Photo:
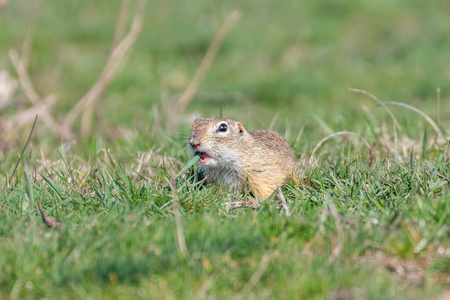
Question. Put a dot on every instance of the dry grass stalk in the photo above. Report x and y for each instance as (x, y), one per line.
(3, 3)
(396, 124)
(324, 140)
(19, 64)
(204, 67)
(257, 274)
(204, 288)
(427, 118)
(307, 247)
(143, 163)
(283, 201)
(200, 182)
(24, 117)
(49, 221)
(180, 231)
(7, 87)
(117, 55)
(23, 150)
(121, 21)
(337, 249)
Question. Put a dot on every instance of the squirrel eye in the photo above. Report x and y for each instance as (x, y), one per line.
(222, 128)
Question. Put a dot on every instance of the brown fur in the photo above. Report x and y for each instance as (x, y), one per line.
(260, 160)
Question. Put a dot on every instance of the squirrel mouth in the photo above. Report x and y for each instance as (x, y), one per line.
(204, 158)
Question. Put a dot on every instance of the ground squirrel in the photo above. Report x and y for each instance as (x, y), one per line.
(260, 160)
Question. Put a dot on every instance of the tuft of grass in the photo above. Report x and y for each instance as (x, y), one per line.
(375, 230)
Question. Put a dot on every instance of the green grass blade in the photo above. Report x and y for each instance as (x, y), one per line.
(28, 199)
(190, 163)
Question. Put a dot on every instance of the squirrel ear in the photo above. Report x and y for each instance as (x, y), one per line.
(241, 128)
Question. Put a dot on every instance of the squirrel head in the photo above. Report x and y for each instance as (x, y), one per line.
(218, 140)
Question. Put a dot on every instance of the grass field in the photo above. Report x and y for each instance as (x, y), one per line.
(367, 219)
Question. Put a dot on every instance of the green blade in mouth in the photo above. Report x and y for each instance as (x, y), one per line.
(190, 163)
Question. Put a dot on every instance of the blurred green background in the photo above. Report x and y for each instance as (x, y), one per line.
(297, 58)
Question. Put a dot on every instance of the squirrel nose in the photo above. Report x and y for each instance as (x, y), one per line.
(195, 142)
